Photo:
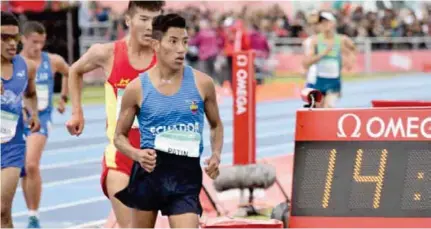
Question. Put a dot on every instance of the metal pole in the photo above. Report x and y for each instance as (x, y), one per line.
(367, 56)
(70, 41)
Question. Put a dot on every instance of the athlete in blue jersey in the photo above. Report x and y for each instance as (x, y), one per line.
(326, 49)
(170, 102)
(47, 65)
(18, 85)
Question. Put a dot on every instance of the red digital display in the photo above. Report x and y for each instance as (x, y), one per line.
(362, 168)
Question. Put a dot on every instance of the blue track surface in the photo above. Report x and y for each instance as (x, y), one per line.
(71, 166)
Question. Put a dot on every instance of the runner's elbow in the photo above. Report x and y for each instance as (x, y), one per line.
(305, 64)
(30, 94)
(117, 140)
(218, 125)
(74, 71)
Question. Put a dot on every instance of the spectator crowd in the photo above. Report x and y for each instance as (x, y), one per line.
(215, 33)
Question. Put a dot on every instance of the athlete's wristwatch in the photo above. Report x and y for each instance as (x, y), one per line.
(65, 98)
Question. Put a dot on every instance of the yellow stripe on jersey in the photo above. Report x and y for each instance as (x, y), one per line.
(111, 115)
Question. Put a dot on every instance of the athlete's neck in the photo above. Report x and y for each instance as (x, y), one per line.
(167, 74)
(329, 35)
(27, 55)
(137, 49)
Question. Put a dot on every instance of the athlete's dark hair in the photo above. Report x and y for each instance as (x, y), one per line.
(8, 18)
(33, 27)
(147, 5)
(162, 23)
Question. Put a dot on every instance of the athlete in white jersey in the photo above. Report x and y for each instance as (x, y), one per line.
(326, 53)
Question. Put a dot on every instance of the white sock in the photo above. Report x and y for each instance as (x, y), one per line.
(33, 213)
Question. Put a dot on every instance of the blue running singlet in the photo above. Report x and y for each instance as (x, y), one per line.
(45, 93)
(172, 124)
(12, 124)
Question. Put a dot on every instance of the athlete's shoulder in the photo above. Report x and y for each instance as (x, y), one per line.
(202, 78)
(344, 37)
(101, 51)
(133, 90)
(31, 66)
(55, 58)
(29, 62)
(204, 83)
(309, 40)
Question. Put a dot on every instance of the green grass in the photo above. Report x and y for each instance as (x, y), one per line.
(90, 95)
(96, 94)
(298, 78)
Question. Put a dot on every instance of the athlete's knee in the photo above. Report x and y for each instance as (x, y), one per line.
(32, 168)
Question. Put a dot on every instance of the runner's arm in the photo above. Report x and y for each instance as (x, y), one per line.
(94, 58)
(129, 109)
(30, 96)
(213, 116)
(349, 44)
(306, 46)
(61, 67)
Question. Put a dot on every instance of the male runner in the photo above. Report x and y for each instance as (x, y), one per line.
(170, 101)
(48, 64)
(326, 53)
(18, 84)
(121, 61)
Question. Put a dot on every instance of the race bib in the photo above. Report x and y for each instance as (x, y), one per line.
(9, 122)
(328, 69)
(182, 143)
(42, 91)
(120, 93)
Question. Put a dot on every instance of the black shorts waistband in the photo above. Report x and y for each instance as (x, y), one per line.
(164, 157)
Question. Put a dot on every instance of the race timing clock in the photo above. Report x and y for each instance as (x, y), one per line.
(362, 168)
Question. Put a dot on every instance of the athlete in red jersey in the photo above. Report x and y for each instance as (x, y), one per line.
(121, 61)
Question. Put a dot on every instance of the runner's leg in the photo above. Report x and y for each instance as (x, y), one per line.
(32, 181)
(186, 220)
(143, 219)
(9, 183)
(115, 182)
(330, 99)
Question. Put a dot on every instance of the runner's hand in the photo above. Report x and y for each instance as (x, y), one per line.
(61, 106)
(75, 125)
(34, 123)
(212, 166)
(329, 47)
(146, 158)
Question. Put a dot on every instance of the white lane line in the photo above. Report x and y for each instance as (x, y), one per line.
(280, 149)
(90, 224)
(224, 157)
(67, 181)
(228, 141)
(65, 205)
(69, 164)
(75, 148)
(267, 125)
